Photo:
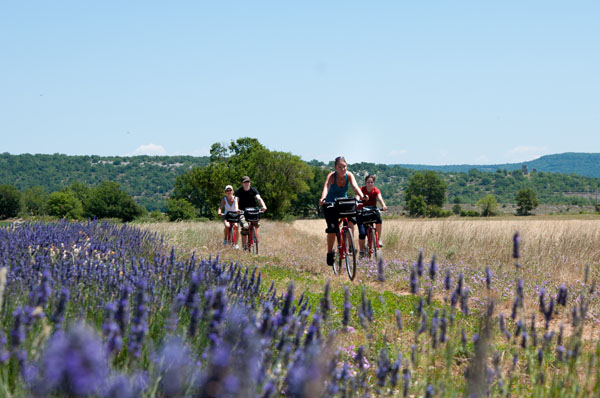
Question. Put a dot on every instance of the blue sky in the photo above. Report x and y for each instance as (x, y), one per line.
(433, 82)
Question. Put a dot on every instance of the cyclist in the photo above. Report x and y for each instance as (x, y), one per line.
(336, 186)
(247, 196)
(374, 195)
(228, 204)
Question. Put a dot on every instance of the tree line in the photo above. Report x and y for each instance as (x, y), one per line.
(193, 187)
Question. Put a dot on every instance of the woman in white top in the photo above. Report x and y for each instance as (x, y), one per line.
(228, 204)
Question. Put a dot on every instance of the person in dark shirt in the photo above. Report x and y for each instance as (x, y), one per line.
(248, 196)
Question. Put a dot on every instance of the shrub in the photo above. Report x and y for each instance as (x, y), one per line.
(417, 206)
(469, 213)
(34, 201)
(10, 201)
(180, 209)
(107, 200)
(526, 201)
(456, 209)
(436, 211)
(64, 204)
(488, 205)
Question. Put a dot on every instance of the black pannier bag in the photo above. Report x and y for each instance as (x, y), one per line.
(252, 214)
(232, 217)
(346, 207)
(368, 215)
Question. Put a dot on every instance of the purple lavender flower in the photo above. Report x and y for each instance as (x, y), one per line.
(561, 298)
(399, 320)
(488, 278)
(414, 282)
(406, 381)
(347, 308)
(4, 354)
(420, 263)
(73, 364)
(383, 367)
(433, 268)
(175, 366)
(325, 301)
(429, 392)
(447, 280)
(58, 316)
(380, 270)
(516, 245)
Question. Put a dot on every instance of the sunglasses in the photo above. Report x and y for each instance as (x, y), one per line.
(228, 190)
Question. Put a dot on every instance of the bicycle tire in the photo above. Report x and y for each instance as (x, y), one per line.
(374, 243)
(350, 254)
(337, 262)
(254, 240)
(231, 238)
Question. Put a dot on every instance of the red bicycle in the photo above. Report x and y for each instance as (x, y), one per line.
(252, 216)
(368, 216)
(346, 253)
(233, 219)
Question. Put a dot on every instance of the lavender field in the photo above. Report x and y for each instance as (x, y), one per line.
(105, 310)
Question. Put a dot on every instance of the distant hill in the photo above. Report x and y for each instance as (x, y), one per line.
(148, 179)
(584, 164)
(559, 179)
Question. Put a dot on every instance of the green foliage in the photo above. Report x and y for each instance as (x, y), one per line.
(180, 209)
(64, 204)
(526, 201)
(469, 213)
(417, 207)
(107, 200)
(436, 211)
(34, 201)
(279, 177)
(10, 201)
(456, 209)
(430, 188)
(488, 205)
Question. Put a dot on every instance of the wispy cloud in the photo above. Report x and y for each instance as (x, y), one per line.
(525, 152)
(397, 152)
(150, 149)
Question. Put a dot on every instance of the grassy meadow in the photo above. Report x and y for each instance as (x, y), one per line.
(554, 250)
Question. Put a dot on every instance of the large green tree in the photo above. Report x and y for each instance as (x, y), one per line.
(278, 176)
(430, 186)
(10, 201)
(488, 205)
(64, 204)
(526, 201)
(34, 200)
(108, 200)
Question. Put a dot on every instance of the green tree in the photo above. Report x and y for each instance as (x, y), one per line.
(64, 204)
(10, 201)
(488, 205)
(417, 207)
(430, 186)
(526, 201)
(180, 209)
(107, 200)
(279, 176)
(34, 201)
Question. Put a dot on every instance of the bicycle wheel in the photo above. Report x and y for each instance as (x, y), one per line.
(373, 243)
(350, 254)
(337, 263)
(231, 238)
(254, 240)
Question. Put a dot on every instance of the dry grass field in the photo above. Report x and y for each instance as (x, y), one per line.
(554, 250)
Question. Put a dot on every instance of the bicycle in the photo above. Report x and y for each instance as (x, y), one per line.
(346, 252)
(233, 219)
(252, 216)
(368, 216)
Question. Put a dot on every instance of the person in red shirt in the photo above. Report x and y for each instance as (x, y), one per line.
(374, 196)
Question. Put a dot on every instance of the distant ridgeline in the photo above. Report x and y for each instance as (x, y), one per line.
(583, 164)
(558, 179)
(148, 179)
